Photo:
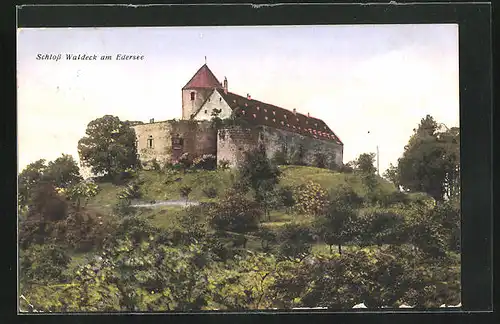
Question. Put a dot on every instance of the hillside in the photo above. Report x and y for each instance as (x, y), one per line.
(158, 186)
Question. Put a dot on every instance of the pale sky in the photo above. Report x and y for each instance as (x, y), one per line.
(358, 78)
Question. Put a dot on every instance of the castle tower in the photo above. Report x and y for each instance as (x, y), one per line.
(197, 90)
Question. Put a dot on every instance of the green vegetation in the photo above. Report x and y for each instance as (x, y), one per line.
(262, 236)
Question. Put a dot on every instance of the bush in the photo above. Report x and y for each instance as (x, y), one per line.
(205, 162)
(311, 199)
(235, 213)
(280, 158)
(295, 241)
(210, 192)
(43, 263)
(223, 164)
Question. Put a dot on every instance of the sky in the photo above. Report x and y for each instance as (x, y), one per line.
(372, 84)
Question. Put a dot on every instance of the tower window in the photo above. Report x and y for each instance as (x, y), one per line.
(192, 96)
(150, 141)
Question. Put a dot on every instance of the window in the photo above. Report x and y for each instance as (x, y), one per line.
(265, 117)
(192, 96)
(265, 110)
(206, 111)
(150, 141)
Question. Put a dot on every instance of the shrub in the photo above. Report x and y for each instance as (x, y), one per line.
(235, 213)
(311, 198)
(43, 263)
(210, 192)
(185, 191)
(205, 162)
(295, 241)
(223, 164)
(280, 158)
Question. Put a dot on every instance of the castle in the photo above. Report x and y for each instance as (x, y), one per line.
(276, 129)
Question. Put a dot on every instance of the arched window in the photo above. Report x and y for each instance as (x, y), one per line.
(150, 141)
(192, 95)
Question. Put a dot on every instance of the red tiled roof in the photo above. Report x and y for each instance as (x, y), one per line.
(256, 112)
(204, 78)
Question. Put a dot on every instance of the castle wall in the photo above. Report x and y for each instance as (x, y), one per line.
(233, 142)
(215, 101)
(162, 141)
(198, 138)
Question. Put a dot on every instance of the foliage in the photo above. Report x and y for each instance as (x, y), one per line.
(320, 160)
(86, 189)
(295, 241)
(280, 157)
(109, 146)
(235, 213)
(210, 192)
(338, 225)
(185, 191)
(223, 164)
(298, 155)
(310, 198)
(43, 263)
(260, 174)
(131, 191)
(431, 161)
(205, 162)
(63, 171)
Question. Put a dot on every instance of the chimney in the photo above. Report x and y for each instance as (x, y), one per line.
(294, 111)
(249, 97)
(152, 120)
(225, 85)
(308, 115)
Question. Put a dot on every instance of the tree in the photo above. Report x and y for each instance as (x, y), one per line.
(109, 146)
(337, 226)
(63, 171)
(29, 178)
(235, 213)
(295, 241)
(392, 175)
(185, 191)
(430, 162)
(364, 163)
(83, 190)
(260, 174)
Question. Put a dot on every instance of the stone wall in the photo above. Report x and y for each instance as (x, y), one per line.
(198, 138)
(281, 140)
(233, 142)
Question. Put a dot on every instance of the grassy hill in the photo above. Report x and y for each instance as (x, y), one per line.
(165, 186)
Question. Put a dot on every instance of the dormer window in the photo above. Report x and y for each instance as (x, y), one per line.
(274, 113)
(274, 119)
(243, 112)
(258, 108)
(254, 116)
(316, 124)
(286, 117)
(246, 105)
(265, 117)
(307, 122)
(282, 123)
(192, 95)
(265, 110)
(297, 119)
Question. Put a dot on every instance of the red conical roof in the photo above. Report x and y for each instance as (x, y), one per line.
(204, 78)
